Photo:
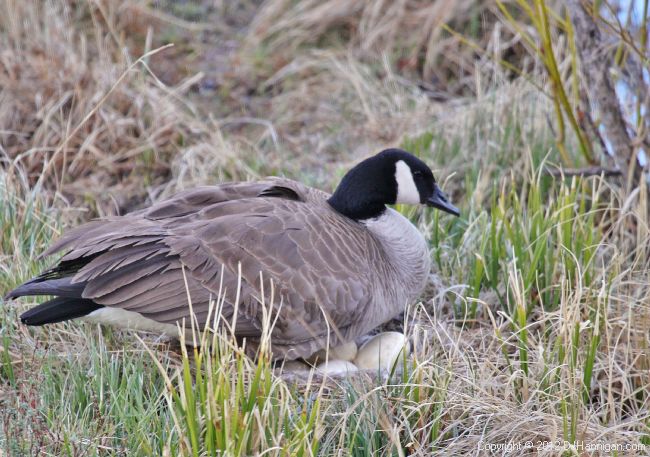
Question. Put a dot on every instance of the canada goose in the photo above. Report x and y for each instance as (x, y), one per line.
(340, 264)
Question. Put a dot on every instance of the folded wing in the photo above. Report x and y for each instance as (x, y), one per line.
(271, 242)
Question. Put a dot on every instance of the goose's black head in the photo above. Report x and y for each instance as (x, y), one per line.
(392, 176)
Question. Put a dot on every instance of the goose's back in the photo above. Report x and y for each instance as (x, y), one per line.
(275, 241)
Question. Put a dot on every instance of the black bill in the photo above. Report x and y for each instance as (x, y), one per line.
(440, 200)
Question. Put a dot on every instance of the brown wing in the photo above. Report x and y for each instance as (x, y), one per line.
(316, 260)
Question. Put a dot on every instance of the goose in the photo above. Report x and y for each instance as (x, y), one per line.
(337, 266)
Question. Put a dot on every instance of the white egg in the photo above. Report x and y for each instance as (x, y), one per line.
(382, 351)
(346, 351)
(337, 367)
(295, 366)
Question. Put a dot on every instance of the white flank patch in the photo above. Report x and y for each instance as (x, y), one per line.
(131, 320)
(407, 191)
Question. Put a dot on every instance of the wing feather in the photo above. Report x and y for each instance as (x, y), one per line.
(315, 259)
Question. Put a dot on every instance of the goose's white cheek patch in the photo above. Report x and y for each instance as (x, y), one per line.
(407, 191)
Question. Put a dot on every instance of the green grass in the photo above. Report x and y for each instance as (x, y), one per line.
(532, 310)
(535, 325)
(79, 391)
(225, 404)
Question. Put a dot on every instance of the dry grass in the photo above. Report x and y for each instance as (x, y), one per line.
(411, 32)
(79, 116)
(305, 89)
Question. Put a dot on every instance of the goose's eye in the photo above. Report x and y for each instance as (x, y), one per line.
(417, 174)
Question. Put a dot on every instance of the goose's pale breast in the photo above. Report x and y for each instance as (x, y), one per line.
(406, 264)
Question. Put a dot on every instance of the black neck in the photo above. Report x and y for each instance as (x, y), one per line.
(369, 210)
(365, 190)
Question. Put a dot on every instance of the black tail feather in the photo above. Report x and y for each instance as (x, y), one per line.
(58, 310)
(57, 281)
(61, 287)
